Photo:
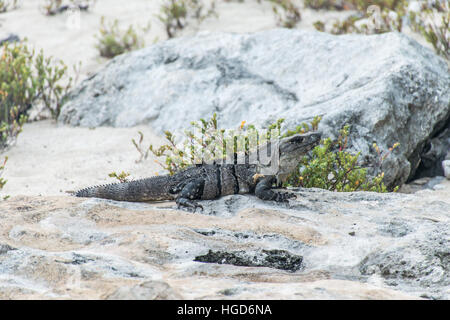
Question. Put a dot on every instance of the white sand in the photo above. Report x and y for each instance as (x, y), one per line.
(49, 159)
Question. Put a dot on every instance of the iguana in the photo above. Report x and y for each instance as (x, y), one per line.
(210, 181)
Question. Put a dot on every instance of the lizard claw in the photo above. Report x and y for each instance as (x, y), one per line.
(194, 205)
(284, 197)
(188, 204)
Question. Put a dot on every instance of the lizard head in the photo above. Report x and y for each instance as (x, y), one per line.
(285, 154)
(292, 149)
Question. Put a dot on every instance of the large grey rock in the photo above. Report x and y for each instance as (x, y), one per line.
(324, 245)
(433, 154)
(388, 87)
(446, 168)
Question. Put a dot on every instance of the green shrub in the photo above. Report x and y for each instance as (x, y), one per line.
(6, 5)
(16, 90)
(359, 5)
(52, 7)
(382, 15)
(174, 14)
(324, 4)
(432, 21)
(10, 128)
(48, 83)
(319, 26)
(138, 146)
(16, 73)
(288, 16)
(112, 41)
(122, 177)
(388, 21)
(332, 168)
(340, 27)
(362, 5)
(438, 34)
(27, 78)
(2, 180)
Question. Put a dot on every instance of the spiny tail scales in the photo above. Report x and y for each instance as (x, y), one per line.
(136, 190)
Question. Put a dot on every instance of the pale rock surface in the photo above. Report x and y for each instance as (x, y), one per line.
(446, 167)
(352, 246)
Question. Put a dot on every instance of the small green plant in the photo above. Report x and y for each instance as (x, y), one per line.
(332, 168)
(436, 32)
(319, 26)
(174, 14)
(340, 27)
(112, 41)
(6, 5)
(383, 155)
(10, 129)
(387, 21)
(325, 4)
(303, 127)
(138, 145)
(16, 73)
(2, 168)
(48, 82)
(27, 78)
(52, 7)
(289, 16)
(363, 5)
(432, 20)
(16, 90)
(122, 177)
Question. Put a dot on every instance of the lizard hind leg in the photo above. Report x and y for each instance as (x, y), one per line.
(190, 192)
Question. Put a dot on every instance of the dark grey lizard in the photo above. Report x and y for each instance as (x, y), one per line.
(210, 181)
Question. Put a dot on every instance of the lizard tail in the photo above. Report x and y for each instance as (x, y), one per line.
(150, 189)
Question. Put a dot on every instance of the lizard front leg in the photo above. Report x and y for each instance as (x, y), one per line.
(263, 190)
(191, 191)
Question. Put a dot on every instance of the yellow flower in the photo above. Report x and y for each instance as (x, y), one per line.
(242, 124)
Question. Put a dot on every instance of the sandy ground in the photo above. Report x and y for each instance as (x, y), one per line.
(49, 159)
